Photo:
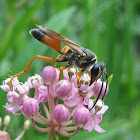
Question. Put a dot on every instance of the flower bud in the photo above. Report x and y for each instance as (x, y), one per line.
(49, 75)
(97, 88)
(63, 88)
(61, 113)
(6, 120)
(81, 116)
(4, 135)
(30, 107)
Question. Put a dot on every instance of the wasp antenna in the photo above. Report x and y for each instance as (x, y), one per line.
(106, 87)
(97, 97)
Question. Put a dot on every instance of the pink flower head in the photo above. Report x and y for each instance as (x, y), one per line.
(96, 116)
(61, 113)
(73, 95)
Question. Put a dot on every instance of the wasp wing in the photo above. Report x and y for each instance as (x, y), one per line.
(63, 39)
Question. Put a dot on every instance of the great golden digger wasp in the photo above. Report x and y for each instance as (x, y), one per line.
(72, 53)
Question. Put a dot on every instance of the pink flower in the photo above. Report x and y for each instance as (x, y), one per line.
(9, 84)
(34, 81)
(80, 96)
(15, 100)
(96, 116)
(41, 93)
(64, 101)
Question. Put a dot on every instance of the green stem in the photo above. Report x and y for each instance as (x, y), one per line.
(50, 135)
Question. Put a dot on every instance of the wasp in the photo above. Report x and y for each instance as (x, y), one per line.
(72, 53)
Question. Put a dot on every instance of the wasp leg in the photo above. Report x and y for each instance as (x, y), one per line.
(61, 69)
(44, 58)
(79, 74)
(63, 52)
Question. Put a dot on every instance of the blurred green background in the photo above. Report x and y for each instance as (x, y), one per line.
(110, 28)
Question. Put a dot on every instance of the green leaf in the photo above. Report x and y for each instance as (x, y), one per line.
(110, 79)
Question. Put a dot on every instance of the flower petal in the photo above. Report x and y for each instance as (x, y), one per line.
(89, 126)
(102, 111)
(98, 128)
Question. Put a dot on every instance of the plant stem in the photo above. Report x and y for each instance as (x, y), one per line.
(50, 135)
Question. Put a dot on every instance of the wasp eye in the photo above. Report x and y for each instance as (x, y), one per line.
(96, 71)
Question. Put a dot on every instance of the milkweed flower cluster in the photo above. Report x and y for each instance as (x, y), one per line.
(66, 104)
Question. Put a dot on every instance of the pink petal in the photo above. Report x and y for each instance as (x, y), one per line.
(89, 125)
(80, 102)
(5, 88)
(74, 89)
(98, 128)
(73, 78)
(83, 88)
(90, 104)
(15, 82)
(73, 101)
(102, 111)
(65, 74)
(35, 83)
(99, 119)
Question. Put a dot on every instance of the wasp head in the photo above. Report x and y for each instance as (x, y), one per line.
(97, 71)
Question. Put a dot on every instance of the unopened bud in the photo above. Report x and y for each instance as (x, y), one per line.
(49, 75)
(97, 87)
(30, 107)
(6, 120)
(63, 88)
(61, 113)
(81, 116)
